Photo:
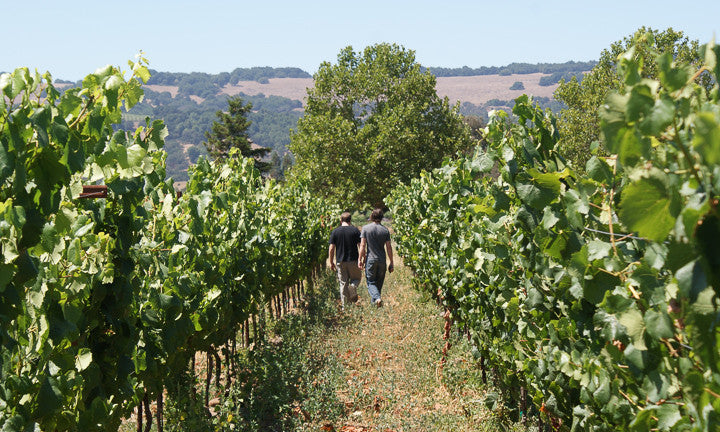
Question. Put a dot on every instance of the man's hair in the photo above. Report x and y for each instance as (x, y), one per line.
(377, 215)
(346, 217)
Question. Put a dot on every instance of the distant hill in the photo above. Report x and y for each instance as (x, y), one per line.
(188, 101)
(570, 67)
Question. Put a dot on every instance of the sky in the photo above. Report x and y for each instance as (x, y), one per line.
(73, 38)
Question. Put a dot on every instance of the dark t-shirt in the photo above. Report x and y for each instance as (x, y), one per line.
(346, 240)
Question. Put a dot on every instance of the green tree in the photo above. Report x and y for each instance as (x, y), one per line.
(373, 120)
(286, 164)
(231, 131)
(579, 122)
(275, 165)
(476, 125)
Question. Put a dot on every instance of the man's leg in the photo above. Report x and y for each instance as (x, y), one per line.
(354, 275)
(380, 276)
(344, 279)
(371, 277)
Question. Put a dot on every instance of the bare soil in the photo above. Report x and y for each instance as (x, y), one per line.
(173, 90)
(474, 89)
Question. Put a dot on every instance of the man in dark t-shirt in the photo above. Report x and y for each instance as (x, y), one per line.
(343, 257)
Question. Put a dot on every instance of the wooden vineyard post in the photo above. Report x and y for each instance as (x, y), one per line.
(159, 413)
(208, 378)
(148, 414)
(218, 367)
(140, 417)
(192, 372)
(255, 328)
(483, 369)
(523, 406)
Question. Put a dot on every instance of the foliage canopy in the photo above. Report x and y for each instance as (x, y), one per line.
(579, 123)
(373, 120)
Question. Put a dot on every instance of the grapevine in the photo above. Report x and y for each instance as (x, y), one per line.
(104, 299)
(597, 294)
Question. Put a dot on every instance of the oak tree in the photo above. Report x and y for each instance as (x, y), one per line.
(373, 120)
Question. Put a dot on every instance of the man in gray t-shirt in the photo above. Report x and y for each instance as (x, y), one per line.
(374, 243)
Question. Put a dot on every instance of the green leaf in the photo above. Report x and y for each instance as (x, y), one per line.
(656, 386)
(535, 196)
(4, 84)
(647, 208)
(18, 83)
(691, 280)
(142, 72)
(599, 170)
(483, 163)
(639, 102)
(707, 137)
(633, 322)
(113, 83)
(7, 271)
(598, 249)
(672, 78)
(49, 398)
(668, 415)
(550, 218)
(555, 244)
(594, 289)
(602, 394)
(135, 155)
(658, 324)
(706, 235)
(607, 323)
(659, 118)
(83, 359)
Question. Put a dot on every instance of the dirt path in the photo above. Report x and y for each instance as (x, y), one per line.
(390, 359)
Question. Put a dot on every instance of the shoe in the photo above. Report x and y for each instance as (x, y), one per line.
(378, 303)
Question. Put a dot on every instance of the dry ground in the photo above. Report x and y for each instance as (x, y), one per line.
(390, 359)
(474, 89)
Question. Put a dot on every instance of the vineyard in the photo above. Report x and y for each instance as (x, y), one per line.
(591, 299)
(104, 299)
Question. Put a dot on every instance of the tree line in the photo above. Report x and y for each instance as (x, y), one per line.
(515, 68)
(272, 117)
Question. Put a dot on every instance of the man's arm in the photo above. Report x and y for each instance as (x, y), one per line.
(388, 248)
(361, 260)
(331, 256)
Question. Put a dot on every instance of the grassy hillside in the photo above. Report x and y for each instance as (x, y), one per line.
(188, 102)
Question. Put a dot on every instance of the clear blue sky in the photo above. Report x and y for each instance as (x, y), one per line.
(73, 38)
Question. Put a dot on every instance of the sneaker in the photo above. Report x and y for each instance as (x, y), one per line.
(378, 303)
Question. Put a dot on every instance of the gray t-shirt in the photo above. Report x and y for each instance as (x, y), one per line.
(375, 236)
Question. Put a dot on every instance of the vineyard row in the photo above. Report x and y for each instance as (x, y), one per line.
(103, 300)
(593, 297)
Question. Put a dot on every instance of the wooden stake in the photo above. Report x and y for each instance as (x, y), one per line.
(159, 413)
(148, 414)
(208, 379)
(140, 417)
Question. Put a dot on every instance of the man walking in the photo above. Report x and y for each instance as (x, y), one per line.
(343, 257)
(375, 241)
